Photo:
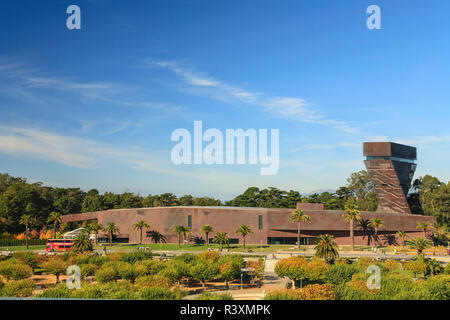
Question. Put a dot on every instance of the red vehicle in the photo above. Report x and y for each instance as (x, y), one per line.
(59, 245)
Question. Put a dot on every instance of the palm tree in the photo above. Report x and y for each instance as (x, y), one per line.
(55, 218)
(402, 235)
(327, 248)
(139, 225)
(366, 229)
(440, 236)
(207, 229)
(244, 230)
(111, 229)
(221, 238)
(187, 231)
(299, 216)
(94, 227)
(376, 224)
(82, 243)
(351, 213)
(419, 244)
(26, 220)
(179, 230)
(424, 226)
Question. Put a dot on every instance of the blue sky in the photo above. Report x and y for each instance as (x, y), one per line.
(95, 108)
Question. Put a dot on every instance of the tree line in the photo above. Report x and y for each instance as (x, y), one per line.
(359, 190)
(428, 196)
(431, 197)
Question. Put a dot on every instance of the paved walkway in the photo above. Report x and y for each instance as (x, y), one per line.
(270, 282)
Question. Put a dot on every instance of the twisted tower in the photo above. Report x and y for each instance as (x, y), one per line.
(391, 169)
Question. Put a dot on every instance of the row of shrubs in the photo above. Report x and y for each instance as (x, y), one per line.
(422, 278)
(393, 287)
(202, 267)
(136, 275)
(114, 290)
(125, 290)
(121, 275)
(19, 288)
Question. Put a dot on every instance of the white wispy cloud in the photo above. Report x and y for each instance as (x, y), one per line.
(27, 142)
(31, 78)
(38, 144)
(23, 82)
(68, 150)
(37, 88)
(289, 107)
(426, 140)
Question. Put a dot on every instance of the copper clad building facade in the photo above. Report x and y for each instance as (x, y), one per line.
(391, 167)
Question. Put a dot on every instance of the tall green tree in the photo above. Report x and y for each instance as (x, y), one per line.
(244, 230)
(187, 200)
(298, 216)
(165, 200)
(424, 226)
(111, 201)
(377, 224)
(94, 227)
(206, 201)
(431, 197)
(360, 185)
(402, 235)
(54, 218)
(207, 229)
(344, 195)
(250, 198)
(292, 198)
(20, 199)
(92, 202)
(111, 229)
(186, 232)
(179, 230)
(351, 214)
(66, 200)
(27, 220)
(130, 200)
(139, 225)
(221, 238)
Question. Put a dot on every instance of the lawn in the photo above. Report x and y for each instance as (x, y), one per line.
(357, 248)
(195, 247)
(22, 248)
(123, 247)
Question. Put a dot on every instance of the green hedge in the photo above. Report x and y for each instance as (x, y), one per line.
(16, 242)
